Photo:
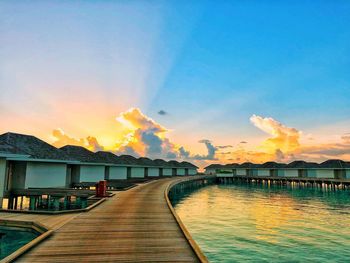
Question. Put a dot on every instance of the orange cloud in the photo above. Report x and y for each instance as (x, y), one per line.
(143, 136)
(283, 138)
(135, 119)
(62, 139)
(140, 135)
(146, 137)
(284, 146)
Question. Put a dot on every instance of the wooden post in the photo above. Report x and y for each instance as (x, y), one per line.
(32, 203)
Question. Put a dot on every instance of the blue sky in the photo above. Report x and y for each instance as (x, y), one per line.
(210, 65)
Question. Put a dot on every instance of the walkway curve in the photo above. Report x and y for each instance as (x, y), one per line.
(133, 226)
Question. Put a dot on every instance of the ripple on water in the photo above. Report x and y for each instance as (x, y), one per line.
(272, 224)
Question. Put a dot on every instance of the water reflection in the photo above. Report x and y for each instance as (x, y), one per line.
(272, 224)
(12, 238)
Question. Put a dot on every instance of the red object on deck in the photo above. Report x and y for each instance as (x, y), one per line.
(101, 189)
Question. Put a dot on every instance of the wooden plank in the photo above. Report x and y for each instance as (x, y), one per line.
(133, 226)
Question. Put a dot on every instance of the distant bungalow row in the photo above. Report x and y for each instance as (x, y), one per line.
(28, 162)
(332, 169)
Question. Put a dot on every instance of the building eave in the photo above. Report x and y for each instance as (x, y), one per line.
(13, 155)
(28, 159)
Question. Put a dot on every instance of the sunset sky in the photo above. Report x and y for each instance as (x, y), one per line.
(203, 81)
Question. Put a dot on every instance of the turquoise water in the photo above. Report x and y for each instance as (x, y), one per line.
(240, 223)
(12, 238)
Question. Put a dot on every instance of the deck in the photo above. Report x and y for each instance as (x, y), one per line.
(334, 184)
(133, 226)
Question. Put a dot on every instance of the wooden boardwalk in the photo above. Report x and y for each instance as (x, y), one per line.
(133, 226)
(49, 221)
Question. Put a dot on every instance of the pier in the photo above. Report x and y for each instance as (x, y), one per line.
(331, 184)
(136, 225)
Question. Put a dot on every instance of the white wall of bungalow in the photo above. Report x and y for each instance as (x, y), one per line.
(180, 171)
(153, 172)
(326, 173)
(347, 173)
(35, 173)
(21, 166)
(118, 172)
(91, 172)
(193, 171)
(210, 171)
(167, 171)
(24, 173)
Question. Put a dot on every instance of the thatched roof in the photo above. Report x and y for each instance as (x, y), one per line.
(302, 165)
(81, 154)
(214, 166)
(29, 145)
(188, 165)
(231, 165)
(273, 165)
(249, 165)
(334, 164)
(145, 161)
(161, 163)
(174, 164)
(127, 159)
(9, 149)
(107, 157)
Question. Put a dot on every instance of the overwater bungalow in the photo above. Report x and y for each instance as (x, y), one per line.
(134, 168)
(271, 169)
(177, 170)
(337, 169)
(34, 164)
(165, 169)
(299, 168)
(212, 169)
(190, 169)
(331, 169)
(227, 169)
(248, 168)
(28, 162)
(90, 168)
(114, 167)
(149, 167)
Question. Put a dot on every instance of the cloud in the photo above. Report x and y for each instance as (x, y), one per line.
(283, 138)
(135, 119)
(170, 155)
(223, 146)
(223, 153)
(127, 150)
(152, 143)
(346, 138)
(146, 137)
(183, 153)
(93, 144)
(211, 151)
(143, 136)
(62, 139)
(281, 145)
(162, 112)
(279, 155)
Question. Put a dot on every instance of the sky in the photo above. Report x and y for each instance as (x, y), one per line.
(202, 81)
